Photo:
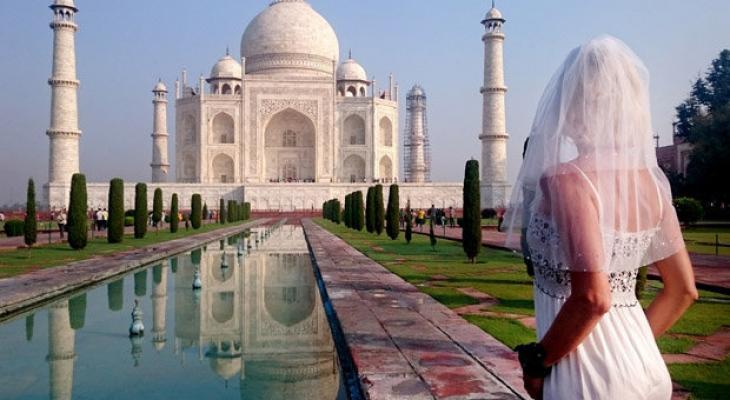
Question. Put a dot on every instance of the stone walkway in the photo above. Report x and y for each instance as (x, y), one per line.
(38, 287)
(404, 344)
(711, 272)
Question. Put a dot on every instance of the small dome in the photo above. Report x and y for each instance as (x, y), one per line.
(160, 87)
(350, 70)
(226, 68)
(493, 14)
(289, 37)
(64, 3)
(226, 367)
(417, 90)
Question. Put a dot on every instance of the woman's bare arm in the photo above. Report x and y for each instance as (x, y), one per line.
(678, 294)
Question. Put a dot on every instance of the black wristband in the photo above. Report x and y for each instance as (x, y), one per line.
(532, 358)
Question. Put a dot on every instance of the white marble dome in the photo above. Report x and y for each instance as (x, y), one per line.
(160, 87)
(290, 37)
(493, 14)
(350, 70)
(64, 3)
(226, 68)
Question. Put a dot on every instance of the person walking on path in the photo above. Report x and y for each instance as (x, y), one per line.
(61, 218)
(602, 208)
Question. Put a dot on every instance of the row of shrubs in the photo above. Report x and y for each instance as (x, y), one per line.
(368, 212)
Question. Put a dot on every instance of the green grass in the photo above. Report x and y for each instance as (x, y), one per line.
(705, 381)
(20, 261)
(502, 275)
(507, 331)
(702, 240)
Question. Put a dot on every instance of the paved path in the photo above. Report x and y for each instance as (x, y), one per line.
(711, 272)
(38, 287)
(405, 344)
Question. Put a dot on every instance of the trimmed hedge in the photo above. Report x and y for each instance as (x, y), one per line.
(197, 211)
(157, 207)
(140, 211)
(30, 231)
(370, 210)
(222, 212)
(689, 210)
(471, 229)
(392, 218)
(14, 228)
(379, 210)
(174, 217)
(359, 209)
(115, 229)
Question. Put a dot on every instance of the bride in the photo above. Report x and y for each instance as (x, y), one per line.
(595, 207)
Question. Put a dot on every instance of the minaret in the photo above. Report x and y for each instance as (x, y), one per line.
(64, 131)
(159, 305)
(416, 144)
(61, 353)
(494, 136)
(160, 165)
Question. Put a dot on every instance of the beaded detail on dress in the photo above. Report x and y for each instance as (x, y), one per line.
(552, 274)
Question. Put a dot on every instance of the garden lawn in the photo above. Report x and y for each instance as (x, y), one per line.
(20, 261)
(501, 274)
(702, 240)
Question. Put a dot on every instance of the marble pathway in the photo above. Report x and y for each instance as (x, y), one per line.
(404, 344)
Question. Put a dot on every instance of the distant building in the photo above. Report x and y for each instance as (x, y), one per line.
(416, 145)
(675, 157)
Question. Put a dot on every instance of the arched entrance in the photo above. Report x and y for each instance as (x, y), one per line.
(353, 169)
(290, 153)
(223, 170)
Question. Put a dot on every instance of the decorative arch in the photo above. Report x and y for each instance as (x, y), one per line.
(354, 130)
(223, 169)
(353, 169)
(237, 91)
(386, 132)
(290, 153)
(189, 167)
(226, 89)
(386, 168)
(351, 91)
(223, 306)
(362, 91)
(223, 129)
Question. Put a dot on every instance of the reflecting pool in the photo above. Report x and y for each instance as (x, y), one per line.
(256, 329)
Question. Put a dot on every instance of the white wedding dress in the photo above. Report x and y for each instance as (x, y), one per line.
(620, 359)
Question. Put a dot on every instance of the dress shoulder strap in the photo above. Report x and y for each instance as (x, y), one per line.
(592, 186)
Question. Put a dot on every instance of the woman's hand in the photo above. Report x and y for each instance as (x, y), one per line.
(533, 386)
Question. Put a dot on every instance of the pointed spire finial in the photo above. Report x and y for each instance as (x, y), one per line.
(493, 6)
(350, 54)
(228, 51)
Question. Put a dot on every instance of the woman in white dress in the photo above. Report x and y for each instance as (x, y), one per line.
(596, 207)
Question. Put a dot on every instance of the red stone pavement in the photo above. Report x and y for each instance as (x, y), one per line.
(405, 344)
(711, 272)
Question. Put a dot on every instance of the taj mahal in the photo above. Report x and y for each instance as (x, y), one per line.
(286, 126)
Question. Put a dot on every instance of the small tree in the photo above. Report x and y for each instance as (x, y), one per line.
(140, 210)
(431, 234)
(359, 211)
(196, 215)
(379, 210)
(222, 212)
(370, 210)
(247, 211)
(409, 223)
(115, 231)
(393, 225)
(471, 230)
(688, 209)
(31, 224)
(205, 211)
(174, 214)
(231, 211)
(336, 211)
(157, 207)
(77, 219)
(346, 213)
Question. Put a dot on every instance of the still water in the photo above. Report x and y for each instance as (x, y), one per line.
(255, 330)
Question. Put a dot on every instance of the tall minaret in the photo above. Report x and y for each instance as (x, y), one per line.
(160, 165)
(61, 353)
(494, 136)
(64, 131)
(416, 144)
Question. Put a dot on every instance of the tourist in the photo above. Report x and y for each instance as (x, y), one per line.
(98, 216)
(451, 217)
(104, 219)
(61, 219)
(420, 219)
(595, 220)
(2, 217)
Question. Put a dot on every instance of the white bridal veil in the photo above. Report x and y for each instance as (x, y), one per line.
(590, 165)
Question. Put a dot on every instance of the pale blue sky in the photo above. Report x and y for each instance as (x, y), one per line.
(123, 46)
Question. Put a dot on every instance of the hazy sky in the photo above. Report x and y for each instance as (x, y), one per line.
(124, 46)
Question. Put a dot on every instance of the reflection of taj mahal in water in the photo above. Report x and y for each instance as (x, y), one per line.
(259, 320)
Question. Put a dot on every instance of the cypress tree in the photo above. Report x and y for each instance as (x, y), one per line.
(115, 295)
(197, 211)
(205, 211)
(157, 207)
(140, 211)
(29, 322)
(409, 222)
(77, 311)
(174, 214)
(115, 230)
(379, 210)
(471, 230)
(77, 219)
(359, 211)
(222, 212)
(248, 210)
(370, 210)
(231, 211)
(393, 225)
(348, 210)
(336, 216)
(31, 225)
(140, 283)
(344, 211)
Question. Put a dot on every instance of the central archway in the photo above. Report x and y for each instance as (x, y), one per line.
(290, 153)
